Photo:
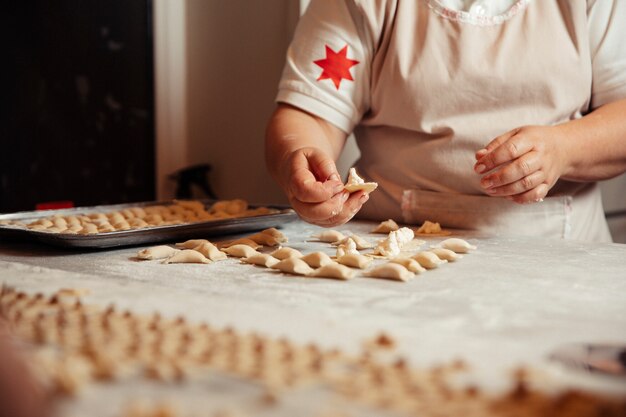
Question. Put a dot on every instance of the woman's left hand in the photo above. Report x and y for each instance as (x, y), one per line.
(523, 164)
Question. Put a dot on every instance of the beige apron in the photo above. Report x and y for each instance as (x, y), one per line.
(442, 89)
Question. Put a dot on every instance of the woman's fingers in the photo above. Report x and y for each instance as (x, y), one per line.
(523, 185)
(516, 171)
(339, 212)
(535, 195)
(305, 186)
(502, 150)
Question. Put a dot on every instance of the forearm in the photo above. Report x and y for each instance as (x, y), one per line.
(291, 129)
(596, 144)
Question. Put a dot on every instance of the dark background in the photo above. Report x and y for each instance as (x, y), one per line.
(77, 106)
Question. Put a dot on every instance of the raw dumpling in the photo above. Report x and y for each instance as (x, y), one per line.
(190, 244)
(354, 260)
(348, 247)
(240, 251)
(157, 252)
(356, 183)
(293, 266)
(190, 205)
(409, 263)
(317, 259)
(360, 242)
(428, 260)
(241, 241)
(236, 206)
(261, 259)
(386, 227)
(330, 236)
(269, 237)
(187, 256)
(457, 245)
(285, 252)
(210, 251)
(446, 254)
(391, 271)
(333, 270)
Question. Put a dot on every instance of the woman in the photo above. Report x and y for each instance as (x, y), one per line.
(491, 115)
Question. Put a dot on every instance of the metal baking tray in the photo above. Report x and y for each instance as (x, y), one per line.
(151, 234)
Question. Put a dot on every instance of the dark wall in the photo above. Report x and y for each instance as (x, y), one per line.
(77, 116)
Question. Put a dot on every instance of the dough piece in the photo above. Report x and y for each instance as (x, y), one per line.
(293, 266)
(269, 237)
(210, 251)
(429, 227)
(187, 256)
(386, 227)
(261, 259)
(446, 254)
(428, 259)
(409, 263)
(334, 270)
(317, 259)
(391, 271)
(346, 248)
(240, 251)
(457, 245)
(356, 183)
(404, 235)
(190, 244)
(157, 252)
(60, 223)
(240, 241)
(360, 242)
(286, 252)
(354, 260)
(330, 236)
(388, 247)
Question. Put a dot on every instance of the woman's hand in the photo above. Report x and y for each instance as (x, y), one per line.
(309, 178)
(523, 164)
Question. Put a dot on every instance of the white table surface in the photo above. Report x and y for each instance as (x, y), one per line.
(511, 302)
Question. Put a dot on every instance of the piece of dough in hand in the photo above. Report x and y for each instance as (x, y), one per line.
(457, 245)
(294, 266)
(356, 183)
(391, 271)
(187, 256)
(333, 270)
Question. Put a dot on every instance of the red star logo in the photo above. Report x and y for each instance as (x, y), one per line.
(336, 66)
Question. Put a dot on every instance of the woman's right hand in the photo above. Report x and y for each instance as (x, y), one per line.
(310, 179)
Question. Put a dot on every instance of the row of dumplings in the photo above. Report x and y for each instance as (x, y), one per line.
(181, 212)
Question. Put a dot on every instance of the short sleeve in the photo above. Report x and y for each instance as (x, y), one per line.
(607, 35)
(327, 71)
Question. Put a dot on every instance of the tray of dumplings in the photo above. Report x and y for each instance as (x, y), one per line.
(108, 226)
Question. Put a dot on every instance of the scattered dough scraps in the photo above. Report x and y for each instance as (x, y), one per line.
(457, 245)
(360, 242)
(392, 271)
(286, 252)
(428, 259)
(261, 259)
(187, 256)
(294, 266)
(317, 259)
(356, 183)
(386, 227)
(329, 236)
(354, 260)
(348, 247)
(409, 263)
(446, 254)
(333, 270)
(388, 247)
(240, 251)
(157, 252)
